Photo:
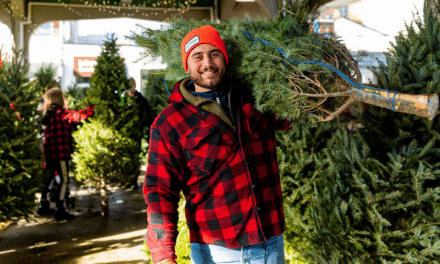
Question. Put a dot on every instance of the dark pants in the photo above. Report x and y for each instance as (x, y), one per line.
(54, 168)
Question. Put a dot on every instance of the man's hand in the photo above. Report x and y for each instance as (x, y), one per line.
(167, 261)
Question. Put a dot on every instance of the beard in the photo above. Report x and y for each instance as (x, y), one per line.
(211, 82)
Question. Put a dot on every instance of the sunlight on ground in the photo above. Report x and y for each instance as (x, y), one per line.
(7, 251)
(122, 236)
(117, 250)
(43, 244)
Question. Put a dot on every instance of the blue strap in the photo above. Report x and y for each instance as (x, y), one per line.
(394, 109)
(359, 94)
(165, 81)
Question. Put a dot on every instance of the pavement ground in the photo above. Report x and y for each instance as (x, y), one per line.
(87, 239)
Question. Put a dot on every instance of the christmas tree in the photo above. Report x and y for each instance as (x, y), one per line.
(377, 199)
(291, 71)
(112, 106)
(115, 111)
(101, 157)
(46, 77)
(20, 149)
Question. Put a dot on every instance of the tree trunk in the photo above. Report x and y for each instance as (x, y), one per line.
(104, 199)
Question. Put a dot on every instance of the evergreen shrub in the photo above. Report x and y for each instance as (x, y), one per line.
(377, 201)
(45, 77)
(99, 157)
(20, 150)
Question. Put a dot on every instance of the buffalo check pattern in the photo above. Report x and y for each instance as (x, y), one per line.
(230, 180)
(58, 139)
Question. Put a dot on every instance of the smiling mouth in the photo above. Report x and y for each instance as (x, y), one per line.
(209, 74)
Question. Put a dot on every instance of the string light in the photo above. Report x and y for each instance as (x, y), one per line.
(171, 7)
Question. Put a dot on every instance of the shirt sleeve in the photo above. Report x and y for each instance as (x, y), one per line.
(163, 181)
(73, 116)
(281, 124)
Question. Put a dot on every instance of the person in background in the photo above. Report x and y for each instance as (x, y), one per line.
(143, 106)
(212, 144)
(57, 147)
(144, 113)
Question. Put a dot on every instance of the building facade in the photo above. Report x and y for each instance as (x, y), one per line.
(72, 48)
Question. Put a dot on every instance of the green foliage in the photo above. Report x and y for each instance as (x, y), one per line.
(20, 150)
(157, 96)
(156, 92)
(300, 160)
(370, 210)
(183, 246)
(411, 65)
(99, 153)
(114, 109)
(74, 97)
(46, 77)
(377, 199)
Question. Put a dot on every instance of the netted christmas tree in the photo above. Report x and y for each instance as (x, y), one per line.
(20, 149)
(291, 71)
(101, 157)
(113, 110)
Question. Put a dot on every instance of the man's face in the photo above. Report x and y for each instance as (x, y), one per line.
(206, 66)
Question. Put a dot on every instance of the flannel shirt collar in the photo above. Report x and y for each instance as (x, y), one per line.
(181, 94)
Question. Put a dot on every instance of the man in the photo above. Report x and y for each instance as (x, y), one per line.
(216, 147)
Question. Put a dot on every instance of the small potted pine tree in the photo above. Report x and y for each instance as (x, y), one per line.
(100, 159)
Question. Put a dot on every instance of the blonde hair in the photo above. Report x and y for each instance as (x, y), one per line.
(53, 98)
(132, 81)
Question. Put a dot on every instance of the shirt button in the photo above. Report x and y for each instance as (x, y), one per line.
(258, 209)
(253, 186)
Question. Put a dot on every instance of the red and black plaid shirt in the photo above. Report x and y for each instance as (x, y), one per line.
(58, 133)
(232, 186)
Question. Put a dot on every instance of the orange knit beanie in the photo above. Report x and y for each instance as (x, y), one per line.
(202, 35)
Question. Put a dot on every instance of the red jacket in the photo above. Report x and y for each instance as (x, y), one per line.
(58, 139)
(230, 180)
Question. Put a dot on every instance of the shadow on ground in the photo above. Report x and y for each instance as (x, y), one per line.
(86, 239)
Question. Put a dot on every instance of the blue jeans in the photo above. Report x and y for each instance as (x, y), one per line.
(269, 252)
